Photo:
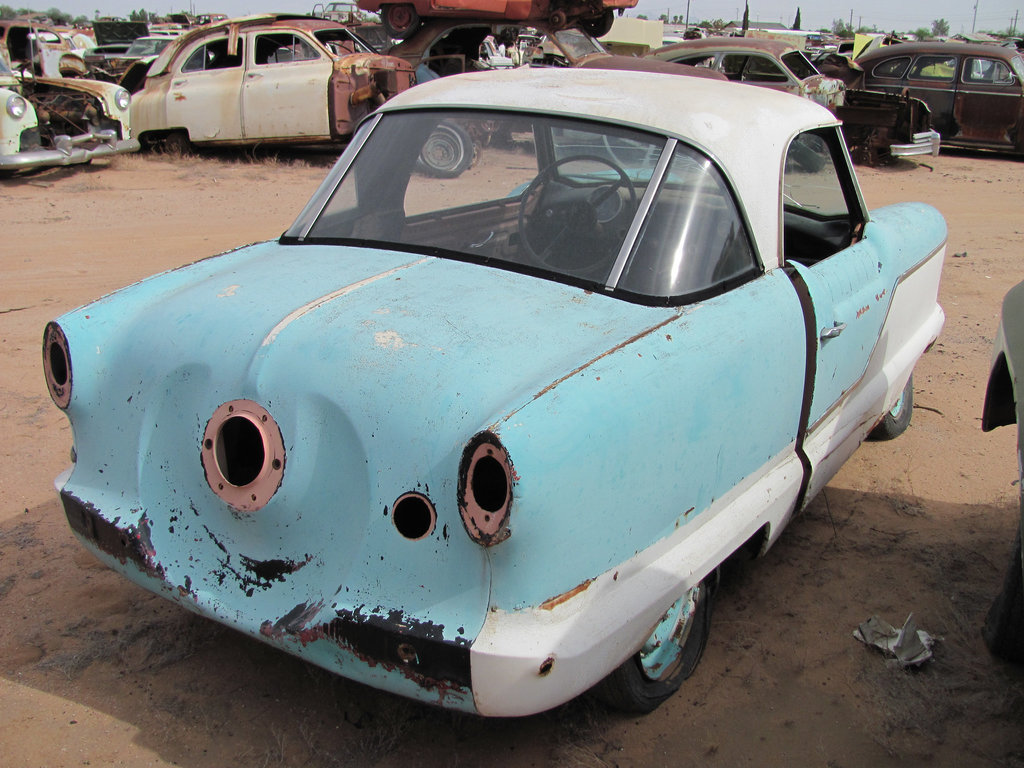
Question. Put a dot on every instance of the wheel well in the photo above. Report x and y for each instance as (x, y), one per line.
(1000, 401)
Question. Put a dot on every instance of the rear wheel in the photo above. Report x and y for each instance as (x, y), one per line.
(667, 658)
(1004, 625)
(400, 20)
(896, 421)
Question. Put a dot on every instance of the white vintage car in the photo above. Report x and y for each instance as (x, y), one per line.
(262, 79)
(485, 441)
(54, 121)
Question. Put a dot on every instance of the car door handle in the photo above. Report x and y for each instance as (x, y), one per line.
(254, 75)
(831, 333)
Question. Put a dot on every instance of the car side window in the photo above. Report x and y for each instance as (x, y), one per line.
(941, 68)
(213, 55)
(987, 71)
(706, 60)
(818, 219)
(732, 65)
(694, 241)
(282, 47)
(761, 69)
(892, 68)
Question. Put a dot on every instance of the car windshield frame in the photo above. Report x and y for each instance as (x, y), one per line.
(635, 214)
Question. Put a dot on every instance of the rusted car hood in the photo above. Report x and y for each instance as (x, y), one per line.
(637, 64)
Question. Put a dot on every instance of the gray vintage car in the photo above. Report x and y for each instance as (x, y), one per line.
(975, 92)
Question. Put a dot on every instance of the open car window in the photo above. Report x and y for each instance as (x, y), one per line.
(587, 203)
(820, 215)
(213, 55)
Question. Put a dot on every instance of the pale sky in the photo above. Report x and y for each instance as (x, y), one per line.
(886, 15)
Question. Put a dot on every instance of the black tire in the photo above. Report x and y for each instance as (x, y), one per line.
(177, 144)
(897, 419)
(629, 688)
(598, 25)
(447, 152)
(400, 20)
(1004, 626)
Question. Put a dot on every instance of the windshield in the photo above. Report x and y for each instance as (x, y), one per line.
(576, 201)
(4, 69)
(147, 47)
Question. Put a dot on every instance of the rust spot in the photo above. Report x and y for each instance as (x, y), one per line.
(862, 311)
(131, 542)
(557, 600)
(546, 667)
(179, 96)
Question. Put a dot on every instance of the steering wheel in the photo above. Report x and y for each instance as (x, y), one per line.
(576, 218)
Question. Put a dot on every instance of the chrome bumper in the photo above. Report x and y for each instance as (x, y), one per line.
(67, 150)
(925, 143)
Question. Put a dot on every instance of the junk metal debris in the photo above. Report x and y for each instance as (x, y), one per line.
(909, 645)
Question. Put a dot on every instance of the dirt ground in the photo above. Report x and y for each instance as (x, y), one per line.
(95, 671)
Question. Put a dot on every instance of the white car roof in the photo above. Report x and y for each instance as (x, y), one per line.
(746, 128)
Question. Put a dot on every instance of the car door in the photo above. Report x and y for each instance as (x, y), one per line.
(285, 88)
(989, 103)
(932, 78)
(845, 280)
(204, 95)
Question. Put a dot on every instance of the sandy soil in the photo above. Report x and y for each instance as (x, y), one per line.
(95, 671)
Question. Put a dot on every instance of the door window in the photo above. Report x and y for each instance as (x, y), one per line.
(213, 55)
(987, 72)
(282, 47)
(940, 68)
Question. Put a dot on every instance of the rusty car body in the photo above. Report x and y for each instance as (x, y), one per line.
(485, 442)
(57, 121)
(875, 125)
(402, 19)
(262, 79)
(975, 92)
(1003, 630)
(39, 49)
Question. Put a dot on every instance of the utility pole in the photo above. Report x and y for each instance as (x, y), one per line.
(1013, 25)
(975, 19)
(687, 14)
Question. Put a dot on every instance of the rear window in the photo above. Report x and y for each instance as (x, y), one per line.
(987, 72)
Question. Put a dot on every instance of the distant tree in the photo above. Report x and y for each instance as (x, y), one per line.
(80, 21)
(642, 16)
(57, 16)
(663, 17)
(921, 33)
(841, 29)
(6, 12)
(746, 17)
(796, 21)
(140, 15)
(715, 26)
(940, 28)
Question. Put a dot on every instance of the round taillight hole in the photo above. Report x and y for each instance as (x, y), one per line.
(57, 365)
(414, 516)
(489, 484)
(240, 451)
(243, 454)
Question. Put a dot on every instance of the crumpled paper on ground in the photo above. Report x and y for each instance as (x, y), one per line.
(909, 645)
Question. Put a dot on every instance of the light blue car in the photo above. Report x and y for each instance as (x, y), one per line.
(484, 441)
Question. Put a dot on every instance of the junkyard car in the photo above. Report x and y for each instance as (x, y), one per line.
(485, 442)
(975, 92)
(57, 121)
(111, 67)
(39, 49)
(263, 79)
(402, 19)
(875, 125)
(1004, 404)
